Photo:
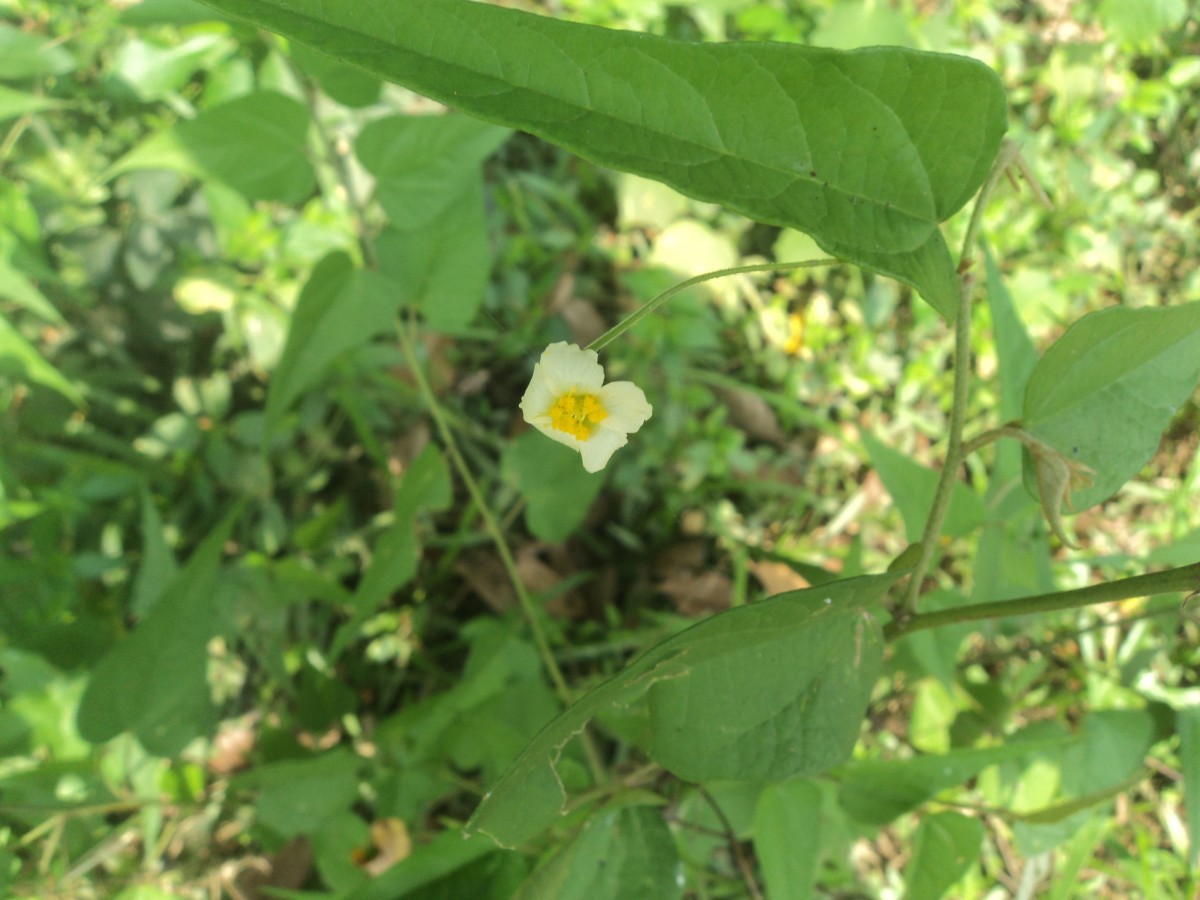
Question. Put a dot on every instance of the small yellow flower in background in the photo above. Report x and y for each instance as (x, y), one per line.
(567, 400)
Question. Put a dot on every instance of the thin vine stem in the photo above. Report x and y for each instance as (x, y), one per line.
(961, 391)
(990, 436)
(1169, 581)
(528, 609)
(489, 521)
(648, 308)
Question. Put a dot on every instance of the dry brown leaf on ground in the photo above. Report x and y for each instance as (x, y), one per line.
(485, 574)
(289, 869)
(751, 413)
(698, 593)
(392, 844)
(776, 577)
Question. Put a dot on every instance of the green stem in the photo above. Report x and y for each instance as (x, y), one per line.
(1184, 578)
(990, 436)
(528, 609)
(647, 308)
(337, 159)
(485, 512)
(962, 382)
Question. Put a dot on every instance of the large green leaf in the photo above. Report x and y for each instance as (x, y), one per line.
(769, 690)
(928, 268)
(622, 852)
(866, 150)
(1104, 392)
(154, 683)
(422, 164)
(297, 795)
(787, 837)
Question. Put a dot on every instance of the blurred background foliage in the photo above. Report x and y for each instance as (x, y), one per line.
(203, 398)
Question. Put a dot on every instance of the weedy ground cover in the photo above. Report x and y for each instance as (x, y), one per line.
(450, 451)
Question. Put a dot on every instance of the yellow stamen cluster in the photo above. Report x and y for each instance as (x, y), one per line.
(577, 414)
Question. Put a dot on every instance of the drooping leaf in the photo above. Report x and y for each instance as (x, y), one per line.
(877, 791)
(787, 837)
(154, 683)
(866, 150)
(769, 690)
(944, 847)
(622, 852)
(254, 143)
(1103, 393)
(340, 308)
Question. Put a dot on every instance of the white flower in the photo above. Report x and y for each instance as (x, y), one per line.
(567, 400)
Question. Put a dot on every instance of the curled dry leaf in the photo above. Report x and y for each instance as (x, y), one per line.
(392, 844)
(749, 412)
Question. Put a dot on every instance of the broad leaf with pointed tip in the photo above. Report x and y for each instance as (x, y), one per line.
(1105, 391)
(866, 150)
(769, 690)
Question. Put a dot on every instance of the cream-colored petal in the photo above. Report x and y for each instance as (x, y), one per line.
(538, 397)
(626, 406)
(566, 367)
(599, 448)
(543, 425)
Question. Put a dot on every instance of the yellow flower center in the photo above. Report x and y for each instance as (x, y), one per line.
(577, 414)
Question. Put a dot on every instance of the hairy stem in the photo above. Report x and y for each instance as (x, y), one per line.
(647, 308)
(1169, 581)
(962, 381)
